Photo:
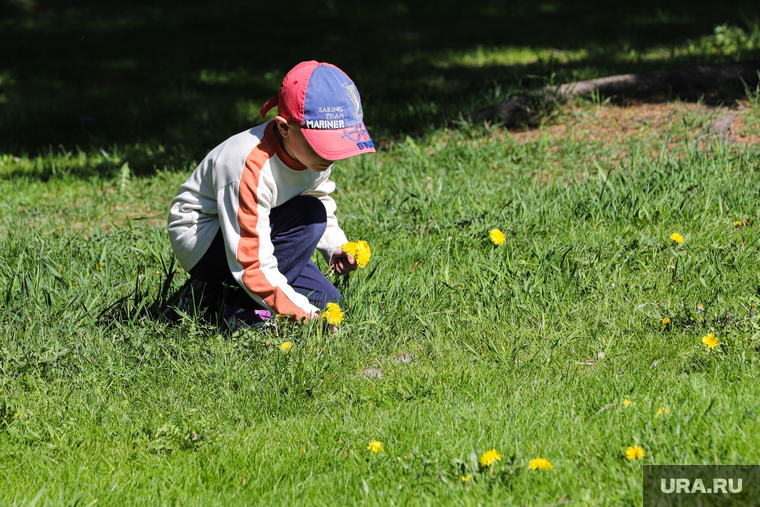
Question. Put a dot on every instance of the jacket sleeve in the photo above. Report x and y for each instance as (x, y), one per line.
(244, 217)
(334, 236)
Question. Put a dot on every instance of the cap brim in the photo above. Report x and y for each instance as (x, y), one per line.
(338, 144)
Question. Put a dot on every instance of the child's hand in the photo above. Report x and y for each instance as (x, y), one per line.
(342, 262)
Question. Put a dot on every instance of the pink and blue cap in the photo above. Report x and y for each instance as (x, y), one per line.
(325, 103)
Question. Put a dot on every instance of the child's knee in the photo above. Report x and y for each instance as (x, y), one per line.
(312, 208)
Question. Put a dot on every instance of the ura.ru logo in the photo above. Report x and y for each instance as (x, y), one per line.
(698, 486)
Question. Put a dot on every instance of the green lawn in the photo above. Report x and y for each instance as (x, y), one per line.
(530, 348)
(515, 347)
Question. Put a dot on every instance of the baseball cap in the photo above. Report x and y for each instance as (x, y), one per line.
(325, 103)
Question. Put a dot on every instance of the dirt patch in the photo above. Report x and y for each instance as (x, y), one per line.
(655, 123)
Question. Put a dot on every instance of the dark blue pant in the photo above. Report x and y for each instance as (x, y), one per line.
(296, 228)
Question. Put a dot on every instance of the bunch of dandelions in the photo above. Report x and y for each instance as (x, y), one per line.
(332, 314)
(359, 250)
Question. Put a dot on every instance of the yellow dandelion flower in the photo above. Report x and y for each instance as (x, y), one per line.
(497, 237)
(375, 446)
(359, 250)
(634, 452)
(488, 458)
(738, 223)
(540, 464)
(363, 253)
(333, 315)
(663, 411)
(676, 237)
(710, 341)
(466, 478)
(626, 402)
(286, 346)
(665, 321)
(349, 248)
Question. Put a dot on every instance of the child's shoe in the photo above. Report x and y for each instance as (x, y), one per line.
(241, 318)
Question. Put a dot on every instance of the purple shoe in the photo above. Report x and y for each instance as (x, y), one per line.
(240, 318)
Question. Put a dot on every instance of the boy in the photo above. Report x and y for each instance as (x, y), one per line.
(255, 209)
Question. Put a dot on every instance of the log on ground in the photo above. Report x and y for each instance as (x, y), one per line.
(686, 80)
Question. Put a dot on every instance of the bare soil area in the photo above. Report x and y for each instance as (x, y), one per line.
(737, 124)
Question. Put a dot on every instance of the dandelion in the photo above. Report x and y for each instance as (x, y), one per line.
(665, 321)
(349, 248)
(738, 223)
(540, 464)
(497, 237)
(286, 346)
(333, 315)
(676, 237)
(466, 478)
(663, 411)
(488, 458)
(375, 446)
(626, 402)
(710, 341)
(363, 253)
(359, 250)
(634, 452)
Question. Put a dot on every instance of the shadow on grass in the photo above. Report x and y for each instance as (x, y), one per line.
(169, 80)
(194, 301)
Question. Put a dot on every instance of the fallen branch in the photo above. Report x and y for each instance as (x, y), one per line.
(701, 78)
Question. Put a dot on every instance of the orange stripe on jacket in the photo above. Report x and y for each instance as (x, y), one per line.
(248, 246)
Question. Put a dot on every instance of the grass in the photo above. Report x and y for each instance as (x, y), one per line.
(530, 348)
(518, 347)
